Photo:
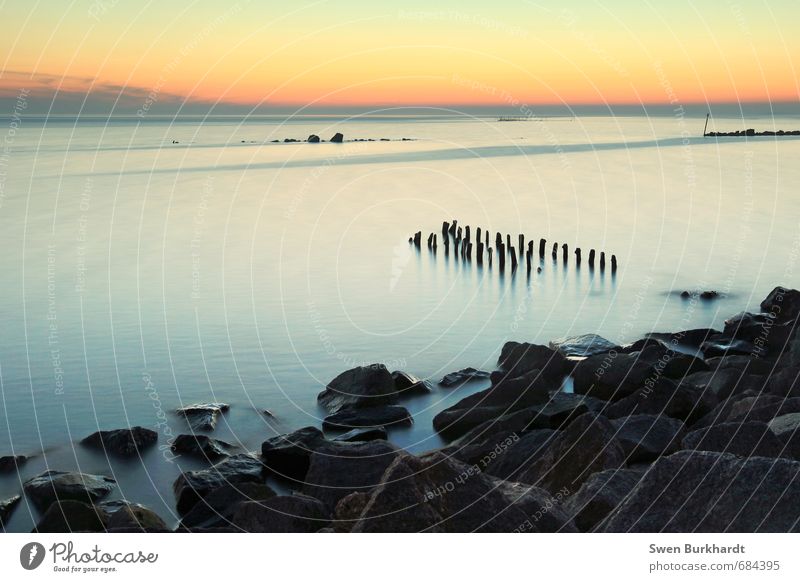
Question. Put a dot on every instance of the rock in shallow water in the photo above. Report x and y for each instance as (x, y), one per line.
(217, 508)
(191, 486)
(201, 446)
(203, 416)
(589, 344)
(698, 491)
(462, 376)
(364, 386)
(357, 435)
(374, 416)
(282, 514)
(125, 442)
(521, 358)
(6, 508)
(11, 463)
(288, 455)
(52, 486)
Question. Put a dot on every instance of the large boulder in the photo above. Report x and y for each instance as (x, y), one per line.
(363, 386)
(599, 496)
(785, 382)
(374, 416)
(6, 509)
(519, 359)
(123, 515)
(783, 303)
(682, 401)
(434, 493)
(69, 516)
(313, 138)
(514, 460)
(725, 346)
(462, 376)
(51, 486)
(645, 437)
(744, 439)
(724, 382)
(744, 364)
(337, 138)
(200, 446)
(341, 468)
(191, 486)
(125, 442)
(217, 508)
(699, 491)
(203, 415)
(289, 455)
(505, 395)
(614, 375)
(585, 447)
(282, 514)
(582, 346)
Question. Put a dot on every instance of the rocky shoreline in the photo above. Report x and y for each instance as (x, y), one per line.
(690, 431)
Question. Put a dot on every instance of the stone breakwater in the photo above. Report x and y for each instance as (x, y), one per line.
(687, 431)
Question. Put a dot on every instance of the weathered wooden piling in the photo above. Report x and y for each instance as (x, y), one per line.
(521, 245)
(430, 240)
(478, 235)
(469, 251)
(565, 252)
(602, 261)
(508, 242)
(501, 256)
(487, 239)
(418, 239)
(489, 251)
(445, 227)
(459, 233)
(453, 226)
(498, 240)
(479, 252)
(542, 243)
(513, 252)
(466, 233)
(578, 256)
(613, 263)
(591, 258)
(555, 251)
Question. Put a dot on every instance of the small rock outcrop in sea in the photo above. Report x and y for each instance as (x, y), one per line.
(289, 455)
(7, 506)
(200, 446)
(371, 417)
(581, 346)
(10, 463)
(337, 138)
(361, 387)
(125, 442)
(313, 138)
(203, 416)
(52, 486)
(462, 376)
(406, 384)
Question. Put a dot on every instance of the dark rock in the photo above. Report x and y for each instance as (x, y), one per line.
(483, 450)
(358, 435)
(582, 346)
(201, 446)
(784, 383)
(645, 437)
(723, 383)
(681, 365)
(515, 460)
(218, 507)
(743, 439)
(688, 337)
(52, 486)
(613, 376)
(787, 428)
(544, 511)
(783, 303)
(203, 416)
(364, 386)
(282, 514)
(599, 496)
(699, 491)
(506, 395)
(722, 346)
(682, 401)
(463, 376)
(288, 455)
(733, 407)
(313, 138)
(11, 463)
(67, 516)
(640, 345)
(435, 494)
(342, 468)
(374, 416)
(585, 447)
(744, 364)
(337, 138)
(6, 508)
(125, 442)
(519, 359)
(761, 409)
(125, 515)
(709, 295)
(191, 486)
(406, 384)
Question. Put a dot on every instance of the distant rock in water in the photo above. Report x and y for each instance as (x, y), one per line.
(11, 462)
(201, 446)
(313, 138)
(364, 386)
(371, 417)
(6, 507)
(462, 376)
(125, 442)
(585, 345)
(337, 138)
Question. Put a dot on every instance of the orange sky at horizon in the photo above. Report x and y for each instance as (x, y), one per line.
(355, 53)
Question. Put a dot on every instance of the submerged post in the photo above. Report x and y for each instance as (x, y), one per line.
(602, 261)
(613, 263)
(705, 129)
(565, 251)
(578, 256)
(591, 258)
(542, 242)
(555, 251)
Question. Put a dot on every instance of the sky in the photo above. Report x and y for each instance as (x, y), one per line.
(250, 55)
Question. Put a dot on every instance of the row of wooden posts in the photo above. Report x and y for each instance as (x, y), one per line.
(463, 246)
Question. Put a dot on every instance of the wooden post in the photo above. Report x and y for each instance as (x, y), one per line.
(513, 258)
(478, 235)
(542, 243)
(501, 255)
(602, 261)
(479, 252)
(591, 258)
(490, 256)
(613, 263)
(578, 256)
(508, 241)
(565, 252)
(487, 239)
(445, 226)
(555, 251)
(453, 226)
(466, 233)
(705, 129)
(521, 245)
(418, 239)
